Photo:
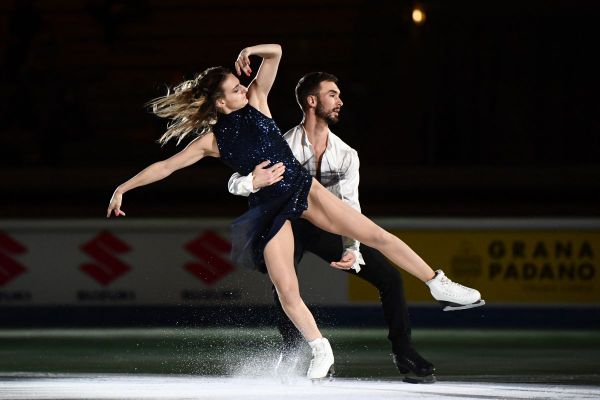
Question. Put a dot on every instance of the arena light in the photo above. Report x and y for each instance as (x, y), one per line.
(418, 15)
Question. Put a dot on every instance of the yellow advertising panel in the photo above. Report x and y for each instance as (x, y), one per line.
(507, 266)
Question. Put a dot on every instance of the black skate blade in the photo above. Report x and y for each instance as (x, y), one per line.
(457, 307)
(419, 379)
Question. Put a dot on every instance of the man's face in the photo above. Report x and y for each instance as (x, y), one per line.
(329, 102)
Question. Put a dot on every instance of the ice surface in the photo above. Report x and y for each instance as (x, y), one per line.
(170, 387)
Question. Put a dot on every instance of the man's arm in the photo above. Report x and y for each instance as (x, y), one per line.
(241, 185)
(349, 192)
(262, 176)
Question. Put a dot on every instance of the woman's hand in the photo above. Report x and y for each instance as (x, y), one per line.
(115, 204)
(243, 62)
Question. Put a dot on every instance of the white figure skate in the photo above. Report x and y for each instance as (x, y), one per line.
(321, 364)
(452, 295)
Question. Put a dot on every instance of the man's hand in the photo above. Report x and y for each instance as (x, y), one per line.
(266, 176)
(347, 261)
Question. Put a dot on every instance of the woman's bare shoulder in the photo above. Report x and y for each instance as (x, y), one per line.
(258, 100)
(207, 143)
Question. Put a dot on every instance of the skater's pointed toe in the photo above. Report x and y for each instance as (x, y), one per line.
(406, 365)
(474, 297)
(453, 295)
(414, 366)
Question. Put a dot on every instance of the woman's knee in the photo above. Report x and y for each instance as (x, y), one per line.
(380, 238)
(288, 293)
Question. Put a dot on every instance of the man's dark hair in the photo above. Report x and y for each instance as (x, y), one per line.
(308, 85)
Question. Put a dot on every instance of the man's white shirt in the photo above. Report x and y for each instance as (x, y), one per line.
(339, 174)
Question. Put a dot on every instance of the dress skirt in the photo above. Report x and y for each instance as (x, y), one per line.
(251, 232)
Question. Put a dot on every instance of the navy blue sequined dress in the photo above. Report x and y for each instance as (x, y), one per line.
(245, 138)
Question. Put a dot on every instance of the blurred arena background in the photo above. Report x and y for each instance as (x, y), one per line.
(484, 109)
(477, 126)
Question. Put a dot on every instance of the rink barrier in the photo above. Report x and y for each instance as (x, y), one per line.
(532, 272)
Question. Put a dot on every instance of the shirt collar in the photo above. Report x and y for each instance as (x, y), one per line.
(306, 142)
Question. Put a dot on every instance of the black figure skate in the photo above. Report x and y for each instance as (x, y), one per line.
(415, 368)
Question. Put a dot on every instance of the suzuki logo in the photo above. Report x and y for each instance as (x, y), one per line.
(9, 268)
(213, 252)
(107, 267)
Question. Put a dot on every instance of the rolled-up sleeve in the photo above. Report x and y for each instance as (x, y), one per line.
(241, 185)
(349, 193)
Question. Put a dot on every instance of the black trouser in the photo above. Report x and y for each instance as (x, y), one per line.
(377, 271)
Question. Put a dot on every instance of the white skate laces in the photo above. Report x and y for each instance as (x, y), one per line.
(321, 363)
(452, 295)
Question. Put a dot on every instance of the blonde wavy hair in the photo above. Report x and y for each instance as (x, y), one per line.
(191, 105)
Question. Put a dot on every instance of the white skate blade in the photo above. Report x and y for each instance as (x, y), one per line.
(458, 307)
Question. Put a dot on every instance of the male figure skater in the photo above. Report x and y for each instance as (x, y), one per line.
(335, 165)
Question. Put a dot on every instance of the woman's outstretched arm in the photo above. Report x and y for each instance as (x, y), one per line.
(265, 77)
(193, 152)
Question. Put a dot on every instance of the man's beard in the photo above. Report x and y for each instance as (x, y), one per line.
(329, 117)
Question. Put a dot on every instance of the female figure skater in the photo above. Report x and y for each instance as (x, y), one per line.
(234, 123)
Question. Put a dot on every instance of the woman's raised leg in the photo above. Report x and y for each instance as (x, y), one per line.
(331, 214)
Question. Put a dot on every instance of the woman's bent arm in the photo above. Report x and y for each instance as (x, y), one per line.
(265, 77)
(194, 152)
